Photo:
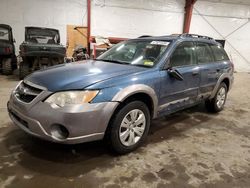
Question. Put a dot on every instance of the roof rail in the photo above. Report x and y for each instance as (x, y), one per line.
(192, 36)
(196, 36)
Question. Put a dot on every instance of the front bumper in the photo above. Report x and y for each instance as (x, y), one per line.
(84, 123)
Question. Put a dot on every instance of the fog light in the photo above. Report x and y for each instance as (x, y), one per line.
(59, 132)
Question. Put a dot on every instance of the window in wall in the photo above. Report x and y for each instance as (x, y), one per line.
(183, 55)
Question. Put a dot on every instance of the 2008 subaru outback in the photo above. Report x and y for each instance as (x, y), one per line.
(117, 95)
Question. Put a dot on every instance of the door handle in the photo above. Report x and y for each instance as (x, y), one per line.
(217, 70)
(195, 73)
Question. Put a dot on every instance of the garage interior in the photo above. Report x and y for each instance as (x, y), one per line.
(191, 148)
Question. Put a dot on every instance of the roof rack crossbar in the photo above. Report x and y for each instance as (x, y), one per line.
(197, 36)
(193, 35)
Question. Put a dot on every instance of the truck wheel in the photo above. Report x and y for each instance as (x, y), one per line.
(6, 66)
(23, 70)
(217, 103)
(129, 127)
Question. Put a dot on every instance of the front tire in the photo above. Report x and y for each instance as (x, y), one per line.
(129, 127)
(6, 66)
(217, 103)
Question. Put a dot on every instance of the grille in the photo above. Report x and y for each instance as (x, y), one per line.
(27, 93)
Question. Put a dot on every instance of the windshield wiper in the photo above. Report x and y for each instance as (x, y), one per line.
(121, 62)
(111, 61)
(140, 65)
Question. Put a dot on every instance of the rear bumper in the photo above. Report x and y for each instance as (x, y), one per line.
(43, 54)
(84, 122)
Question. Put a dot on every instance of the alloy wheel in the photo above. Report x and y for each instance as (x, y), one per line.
(132, 127)
(221, 97)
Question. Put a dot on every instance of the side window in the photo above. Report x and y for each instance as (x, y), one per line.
(219, 53)
(204, 53)
(183, 55)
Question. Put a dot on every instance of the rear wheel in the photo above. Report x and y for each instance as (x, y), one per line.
(217, 103)
(23, 70)
(6, 66)
(129, 127)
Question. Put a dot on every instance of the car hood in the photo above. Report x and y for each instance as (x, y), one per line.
(78, 75)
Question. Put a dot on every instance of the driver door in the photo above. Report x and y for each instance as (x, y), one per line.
(175, 93)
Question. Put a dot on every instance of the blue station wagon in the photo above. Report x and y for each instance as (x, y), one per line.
(118, 94)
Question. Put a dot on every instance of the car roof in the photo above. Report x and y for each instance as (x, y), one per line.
(5, 26)
(182, 37)
(32, 27)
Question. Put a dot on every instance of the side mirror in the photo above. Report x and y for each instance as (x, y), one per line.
(175, 74)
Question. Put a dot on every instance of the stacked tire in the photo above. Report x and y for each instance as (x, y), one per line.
(6, 66)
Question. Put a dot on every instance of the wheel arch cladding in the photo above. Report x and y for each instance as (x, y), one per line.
(227, 82)
(145, 98)
(225, 78)
(140, 92)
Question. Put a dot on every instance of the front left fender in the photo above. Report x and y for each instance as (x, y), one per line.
(123, 94)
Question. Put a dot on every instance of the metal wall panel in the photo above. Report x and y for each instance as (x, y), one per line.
(228, 21)
(133, 18)
(43, 13)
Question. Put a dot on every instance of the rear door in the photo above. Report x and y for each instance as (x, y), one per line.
(209, 69)
(176, 94)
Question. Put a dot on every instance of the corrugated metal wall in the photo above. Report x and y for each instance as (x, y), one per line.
(228, 21)
(44, 13)
(132, 18)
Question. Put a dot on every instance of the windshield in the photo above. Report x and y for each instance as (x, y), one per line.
(4, 34)
(141, 53)
(42, 35)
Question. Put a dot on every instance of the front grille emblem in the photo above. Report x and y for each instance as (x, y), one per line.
(23, 91)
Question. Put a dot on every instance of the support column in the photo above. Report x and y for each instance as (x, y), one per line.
(88, 24)
(188, 15)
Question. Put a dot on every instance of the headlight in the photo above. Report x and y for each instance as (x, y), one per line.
(71, 97)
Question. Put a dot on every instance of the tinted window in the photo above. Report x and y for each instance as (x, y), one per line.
(219, 53)
(204, 53)
(183, 55)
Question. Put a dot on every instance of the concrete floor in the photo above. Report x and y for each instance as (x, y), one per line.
(188, 149)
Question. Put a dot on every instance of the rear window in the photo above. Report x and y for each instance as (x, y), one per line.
(42, 35)
(4, 34)
(219, 53)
